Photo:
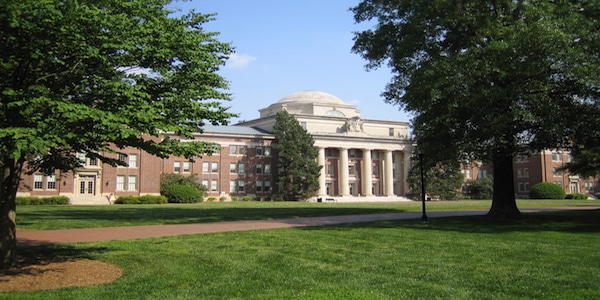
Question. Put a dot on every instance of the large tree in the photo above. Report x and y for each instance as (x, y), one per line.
(97, 75)
(487, 79)
(297, 168)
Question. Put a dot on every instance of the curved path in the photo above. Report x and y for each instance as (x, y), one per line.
(29, 237)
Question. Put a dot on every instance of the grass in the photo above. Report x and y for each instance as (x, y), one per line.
(549, 255)
(65, 217)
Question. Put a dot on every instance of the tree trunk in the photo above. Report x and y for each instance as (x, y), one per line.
(9, 182)
(504, 204)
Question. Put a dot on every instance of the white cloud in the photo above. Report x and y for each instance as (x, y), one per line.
(239, 61)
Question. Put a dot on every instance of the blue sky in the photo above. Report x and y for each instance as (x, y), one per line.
(286, 46)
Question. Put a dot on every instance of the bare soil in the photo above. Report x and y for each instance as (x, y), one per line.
(47, 272)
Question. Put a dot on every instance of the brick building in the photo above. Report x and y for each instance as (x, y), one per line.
(540, 167)
(361, 158)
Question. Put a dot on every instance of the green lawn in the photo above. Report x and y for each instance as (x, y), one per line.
(63, 217)
(550, 255)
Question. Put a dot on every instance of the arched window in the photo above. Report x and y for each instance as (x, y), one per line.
(335, 113)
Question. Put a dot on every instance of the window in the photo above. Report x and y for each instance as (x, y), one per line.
(232, 186)
(259, 186)
(482, 174)
(259, 168)
(38, 181)
(205, 166)
(215, 167)
(375, 169)
(267, 151)
(259, 150)
(241, 185)
(556, 172)
(467, 173)
(263, 151)
(93, 161)
(120, 183)
(51, 182)
(556, 156)
(186, 166)
(122, 157)
(391, 131)
(132, 183)
(205, 183)
(177, 167)
(232, 149)
(303, 125)
(267, 186)
(375, 154)
(133, 160)
(330, 169)
(242, 149)
(267, 169)
(232, 167)
(214, 185)
(352, 170)
(241, 168)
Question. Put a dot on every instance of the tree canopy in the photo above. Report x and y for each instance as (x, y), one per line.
(487, 80)
(97, 76)
(297, 168)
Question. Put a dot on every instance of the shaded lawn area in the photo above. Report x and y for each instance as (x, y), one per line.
(69, 217)
(549, 255)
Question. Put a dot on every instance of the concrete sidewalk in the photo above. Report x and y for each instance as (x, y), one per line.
(28, 237)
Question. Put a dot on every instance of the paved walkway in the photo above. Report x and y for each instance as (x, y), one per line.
(29, 237)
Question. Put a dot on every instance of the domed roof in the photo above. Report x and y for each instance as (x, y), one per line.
(311, 97)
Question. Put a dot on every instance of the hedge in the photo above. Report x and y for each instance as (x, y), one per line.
(147, 199)
(56, 200)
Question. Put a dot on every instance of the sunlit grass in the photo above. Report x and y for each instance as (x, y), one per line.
(550, 255)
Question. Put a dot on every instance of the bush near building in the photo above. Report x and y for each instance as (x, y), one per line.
(547, 190)
(58, 200)
(147, 199)
(183, 194)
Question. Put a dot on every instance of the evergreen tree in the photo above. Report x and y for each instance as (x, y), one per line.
(297, 168)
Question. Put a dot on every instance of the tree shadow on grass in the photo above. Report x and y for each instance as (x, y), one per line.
(124, 216)
(566, 221)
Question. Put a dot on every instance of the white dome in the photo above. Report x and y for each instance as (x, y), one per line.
(311, 97)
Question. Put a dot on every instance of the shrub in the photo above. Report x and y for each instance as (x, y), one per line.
(57, 200)
(222, 198)
(147, 199)
(547, 190)
(577, 196)
(211, 199)
(247, 198)
(183, 194)
(257, 198)
(167, 180)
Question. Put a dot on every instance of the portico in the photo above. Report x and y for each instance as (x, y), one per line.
(360, 157)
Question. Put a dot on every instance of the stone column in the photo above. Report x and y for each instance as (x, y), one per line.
(388, 175)
(367, 173)
(407, 166)
(321, 162)
(344, 174)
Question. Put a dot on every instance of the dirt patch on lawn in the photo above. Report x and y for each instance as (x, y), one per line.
(47, 272)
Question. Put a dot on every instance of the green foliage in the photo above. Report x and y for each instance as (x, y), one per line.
(486, 80)
(96, 76)
(443, 179)
(58, 200)
(167, 180)
(547, 190)
(146, 199)
(481, 188)
(183, 194)
(576, 196)
(297, 169)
